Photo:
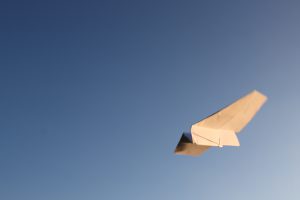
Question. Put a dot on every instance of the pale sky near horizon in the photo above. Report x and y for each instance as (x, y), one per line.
(94, 96)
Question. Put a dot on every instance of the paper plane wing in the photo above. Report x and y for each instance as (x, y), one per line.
(237, 115)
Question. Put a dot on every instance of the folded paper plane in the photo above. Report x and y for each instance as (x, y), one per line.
(220, 128)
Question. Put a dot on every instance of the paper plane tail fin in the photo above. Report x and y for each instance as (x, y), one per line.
(185, 146)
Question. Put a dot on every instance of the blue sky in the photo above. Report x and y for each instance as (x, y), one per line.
(94, 96)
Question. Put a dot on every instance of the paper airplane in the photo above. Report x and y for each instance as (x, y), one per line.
(220, 128)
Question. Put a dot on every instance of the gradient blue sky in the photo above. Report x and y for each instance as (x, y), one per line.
(94, 96)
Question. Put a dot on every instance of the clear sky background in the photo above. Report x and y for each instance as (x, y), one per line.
(94, 96)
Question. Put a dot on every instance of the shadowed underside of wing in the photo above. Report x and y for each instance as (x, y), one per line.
(237, 115)
(186, 147)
